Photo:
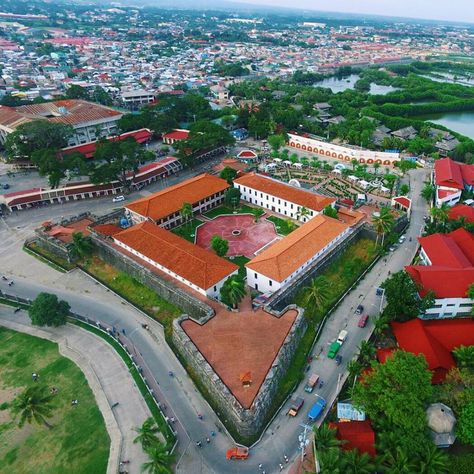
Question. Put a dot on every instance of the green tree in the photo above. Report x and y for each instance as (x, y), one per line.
(324, 440)
(228, 174)
(277, 141)
(317, 294)
(219, 245)
(366, 352)
(37, 135)
(77, 92)
(302, 213)
(232, 197)
(404, 189)
(330, 212)
(397, 391)
(441, 215)
(331, 461)
(428, 192)
(118, 161)
(233, 291)
(433, 461)
(81, 246)
(383, 222)
(358, 463)
(34, 404)
(464, 356)
(465, 427)
(101, 96)
(48, 310)
(403, 301)
(396, 461)
(160, 461)
(258, 213)
(147, 434)
(381, 324)
(186, 212)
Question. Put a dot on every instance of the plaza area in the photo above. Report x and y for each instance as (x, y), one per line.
(244, 234)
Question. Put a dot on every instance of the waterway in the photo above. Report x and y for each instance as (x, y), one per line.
(337, 84)
(461, 122)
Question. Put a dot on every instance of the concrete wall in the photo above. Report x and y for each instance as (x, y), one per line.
(246, 422)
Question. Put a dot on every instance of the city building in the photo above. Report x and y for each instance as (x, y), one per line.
(451, 179)
(289, 201)
(355, 435)
(278, 265)
(447, 271)
(312, 144)
(200, 269)
(203, 192)
(90, 121)
(134, 99)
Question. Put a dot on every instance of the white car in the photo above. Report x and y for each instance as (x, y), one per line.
(118, 199)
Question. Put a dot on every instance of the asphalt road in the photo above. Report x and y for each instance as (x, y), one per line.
(90, 299)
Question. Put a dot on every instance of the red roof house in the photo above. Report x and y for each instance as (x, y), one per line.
(357, 434)
(462, 210)
(435, 339)
(176, 135)
(448, 173)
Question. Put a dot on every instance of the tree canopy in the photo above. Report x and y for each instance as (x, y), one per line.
(48, 310)
(219, 245)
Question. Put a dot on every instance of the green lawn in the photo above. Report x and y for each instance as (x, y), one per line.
(187, 231)
(281, 225)
(78, 442)
(240, 260)
(132, 290)
(223, 210)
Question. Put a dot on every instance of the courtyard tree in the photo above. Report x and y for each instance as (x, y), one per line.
(37, 135)
(330, 211)
(257, 213)
(160, 460)
(233, 291)
(302, 213)
(228, 174)
(316, 295)
(232, 197)
(48, 310)
(186, 212)
(441, 215)
(403, 301)
(147, 434)
(277, 141)
(219, 245)
(397, 391)
(383, 223)
(81, 245)
(33, 405)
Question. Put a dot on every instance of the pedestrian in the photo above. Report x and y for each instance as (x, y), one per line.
(285, 457)
(281, 466)
(260, 466)
(123, 332)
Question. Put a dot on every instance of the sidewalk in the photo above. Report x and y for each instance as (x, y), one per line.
(108, 378)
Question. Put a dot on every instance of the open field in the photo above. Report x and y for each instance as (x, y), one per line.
(78, 441)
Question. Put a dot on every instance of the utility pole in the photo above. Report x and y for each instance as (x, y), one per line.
(304, 441)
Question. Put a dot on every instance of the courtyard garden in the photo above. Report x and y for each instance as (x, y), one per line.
(222, 210)
(76, 440)
(283, 227)
(188, 229)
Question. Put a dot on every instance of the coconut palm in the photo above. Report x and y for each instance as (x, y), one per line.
(396, 461)
(160, 460)
(325, 438)
(331, 461)
(383, 223)
(354, 368)
(81, 246)
(233, 290)
(147, 434)
(317, 294)
(358, 463)
(186, 212)
(302, 213)
(441, 214)
(33, 405)
(464, 356)
(433, 461)
(366, 352)
(381, 324)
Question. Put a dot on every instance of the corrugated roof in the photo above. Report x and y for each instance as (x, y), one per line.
(303, 198)
(195, 264)
(357, 434)
(448, 173)
(284, 257)
(171, 200)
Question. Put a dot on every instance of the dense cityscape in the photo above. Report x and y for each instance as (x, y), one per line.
(235, 238)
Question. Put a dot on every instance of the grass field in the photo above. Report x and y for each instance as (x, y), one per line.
(224, 210)
(187, 231)
(78, 441)
(281, 225)
(240, 260)
(132, 290)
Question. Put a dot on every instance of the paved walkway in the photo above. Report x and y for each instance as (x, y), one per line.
(109, 379)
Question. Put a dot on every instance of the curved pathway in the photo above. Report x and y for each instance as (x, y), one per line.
(108, 378)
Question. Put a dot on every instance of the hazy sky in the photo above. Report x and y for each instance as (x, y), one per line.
(450, 10)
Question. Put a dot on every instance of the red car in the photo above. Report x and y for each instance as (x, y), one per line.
(363, 321)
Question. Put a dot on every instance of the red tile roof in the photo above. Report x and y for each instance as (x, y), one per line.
(404, 201)
(443, 249)
(247, 154)
(452, 174)
(177, 135)
(435, 340)
(357, 434)
(195, 264)
(171, 200)
(462, 210)
(310, 200)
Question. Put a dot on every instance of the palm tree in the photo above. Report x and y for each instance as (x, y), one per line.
(464, 356)
(160, 460)
(383, 223)
(147, 434)
(324, 440)
(302, 213)
(33, 405)
(186, 212)
(381, 325)
(366, 352)
(317, 294)
(396, 461)
(354, 368)
(358, 463)
(441, 214)
(81, 246)
(433, 461)
(233, 290)
(331, 461)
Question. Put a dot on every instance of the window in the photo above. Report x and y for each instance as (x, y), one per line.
(292, 208)
(215, 288)
(279, 201)
(255, 276)
(270, 282)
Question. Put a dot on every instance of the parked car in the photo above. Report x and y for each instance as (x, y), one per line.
(118, 199)
(363, 321)
(296, 404)
(359, 309)
(402, 239)
(338, 359)
(6, 186)
(392, 248)
(317, 409)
